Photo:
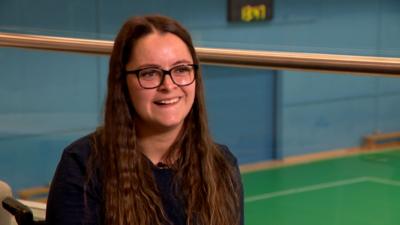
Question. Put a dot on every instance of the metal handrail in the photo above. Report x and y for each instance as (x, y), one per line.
(231, 57)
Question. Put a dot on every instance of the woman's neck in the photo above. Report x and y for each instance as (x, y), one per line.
(155, 144)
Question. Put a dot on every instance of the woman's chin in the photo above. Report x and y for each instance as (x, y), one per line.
(164, 125)
(170, 125)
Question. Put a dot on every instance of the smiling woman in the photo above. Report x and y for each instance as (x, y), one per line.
(165, 106)
(154, 161)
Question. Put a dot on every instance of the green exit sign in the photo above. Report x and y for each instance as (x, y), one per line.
(249, 10)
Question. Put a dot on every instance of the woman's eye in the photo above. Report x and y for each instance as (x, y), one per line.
(149, 74)
(182, 69)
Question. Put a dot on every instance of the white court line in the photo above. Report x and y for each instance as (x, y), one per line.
(322, 186)
(307, 189)
(384, 181)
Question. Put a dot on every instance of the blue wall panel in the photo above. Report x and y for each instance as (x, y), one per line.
(389, 32)
(326, 126)
(70, 18)
(366, 28)
(388, 86)
(312, 87)
(388, 115)
(36, 81)
(47, 99)
(240, 110)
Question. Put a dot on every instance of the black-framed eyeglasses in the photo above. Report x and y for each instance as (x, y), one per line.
(153, 77)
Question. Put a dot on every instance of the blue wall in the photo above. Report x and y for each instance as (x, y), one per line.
(48, 99)
(322, 111)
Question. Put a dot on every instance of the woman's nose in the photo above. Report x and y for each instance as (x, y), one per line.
(167, 83)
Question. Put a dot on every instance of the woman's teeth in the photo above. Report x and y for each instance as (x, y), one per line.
(168, 101)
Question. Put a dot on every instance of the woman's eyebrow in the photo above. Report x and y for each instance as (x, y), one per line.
(152, 65)
(182, 61)
(148, 65)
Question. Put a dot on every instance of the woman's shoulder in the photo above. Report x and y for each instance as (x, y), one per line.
(78, 151)
(72, 166)
(227, 153)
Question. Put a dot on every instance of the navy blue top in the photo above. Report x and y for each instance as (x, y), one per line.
(68, 192)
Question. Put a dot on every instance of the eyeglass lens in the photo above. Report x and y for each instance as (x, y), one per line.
(153, 77)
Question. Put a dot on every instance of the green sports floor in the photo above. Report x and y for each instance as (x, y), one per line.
(362, 189)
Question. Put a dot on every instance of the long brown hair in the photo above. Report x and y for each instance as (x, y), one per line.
(206, 177)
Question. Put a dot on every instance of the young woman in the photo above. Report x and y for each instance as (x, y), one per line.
(153, 162)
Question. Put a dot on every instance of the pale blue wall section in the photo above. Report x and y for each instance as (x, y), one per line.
(325, 126)
(388, 105)
(388, 86)
(310, 120)
(239, 103)
(73, 18)
(311, 117)
(44, 82)
(311, 26)
(308, 95)
(388, 115)
(390, 29)
(47, 100)
(312, 87)
(196, 14)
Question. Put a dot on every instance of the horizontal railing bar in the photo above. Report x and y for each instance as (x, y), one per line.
(42, 42)
(229, 57)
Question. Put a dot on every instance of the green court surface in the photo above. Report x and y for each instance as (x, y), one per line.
(361, 189)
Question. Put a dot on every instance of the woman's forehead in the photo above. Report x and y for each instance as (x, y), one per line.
(163, 49)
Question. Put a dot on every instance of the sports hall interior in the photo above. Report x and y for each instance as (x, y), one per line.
(308, 99)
